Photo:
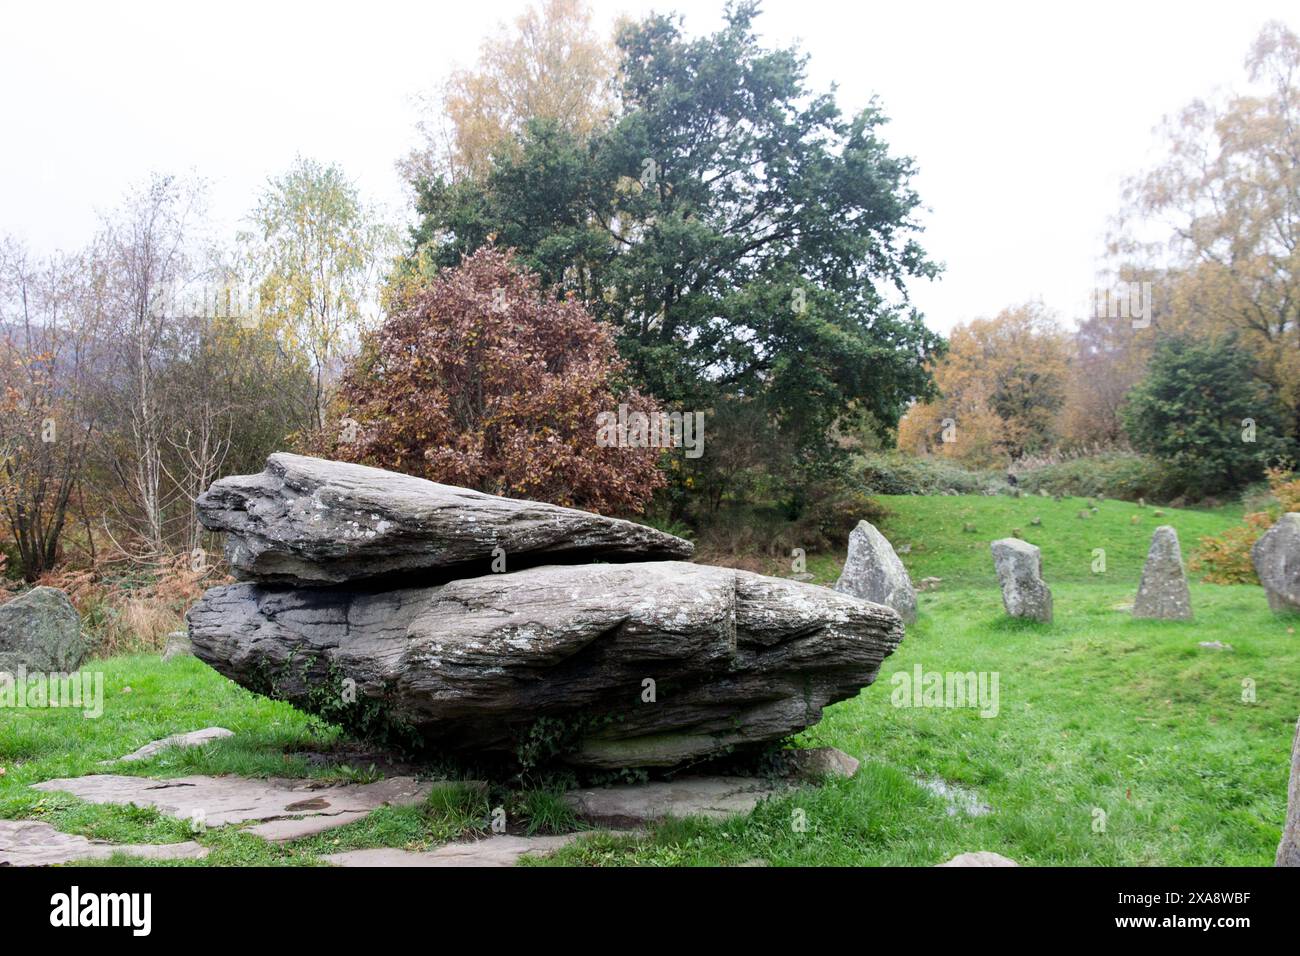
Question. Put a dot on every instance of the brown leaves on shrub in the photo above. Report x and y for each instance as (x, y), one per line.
(480, 378)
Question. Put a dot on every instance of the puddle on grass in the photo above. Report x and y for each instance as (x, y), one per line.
(958, 799)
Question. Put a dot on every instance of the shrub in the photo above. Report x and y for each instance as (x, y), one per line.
(1122, 475)
(481, 378)
(1195, 408)
(1225, 558)
(901, 474)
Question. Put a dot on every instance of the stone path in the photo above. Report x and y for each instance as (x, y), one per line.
(33, 843)
(285, 809)
(270, 804)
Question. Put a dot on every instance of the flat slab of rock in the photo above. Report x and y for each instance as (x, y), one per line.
(1163, 592)
(979, 858)
(1276, 556)
(1288, 850)
(631, 806)
(873, 571)
(1019, 565)
(733, 659)
(311, 521)
(502, 850)
(40, 632)
(271, 804)
(33, 843)
(195, 738)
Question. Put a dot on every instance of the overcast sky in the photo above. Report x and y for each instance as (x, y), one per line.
(1023, 118)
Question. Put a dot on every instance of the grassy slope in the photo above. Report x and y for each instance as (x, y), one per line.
(1096, 711)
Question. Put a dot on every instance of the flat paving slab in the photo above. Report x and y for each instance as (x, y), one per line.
(272, 805)
(503, 850)
(33, 843)
(634, 805)
(195, 738)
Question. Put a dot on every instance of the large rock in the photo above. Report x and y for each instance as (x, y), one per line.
(1020, 572)
(872, 571)
(311, 521)
(607, 665)
(1277, 562)
(1163, 591)
(40, 631)
(1288, 851)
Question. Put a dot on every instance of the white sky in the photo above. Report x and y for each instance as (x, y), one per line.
(1023, 117)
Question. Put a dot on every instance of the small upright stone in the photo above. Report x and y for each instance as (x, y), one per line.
(1277, 562)
(1163, 592)
(1288, 851)
(178, 645)
(1020, 572)
(874, 572)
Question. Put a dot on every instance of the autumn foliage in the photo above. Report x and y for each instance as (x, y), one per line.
(1225, 558)
(478, 377)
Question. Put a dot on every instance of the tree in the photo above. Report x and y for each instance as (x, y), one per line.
(477, 377)
(1229, 197)
(1002, 386)
(142, 257)
(315, 253)
(49, 331)
(552, 67)
(742, 236)
(1202, 411)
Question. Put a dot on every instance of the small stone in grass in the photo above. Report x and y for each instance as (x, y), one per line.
(1035, 521)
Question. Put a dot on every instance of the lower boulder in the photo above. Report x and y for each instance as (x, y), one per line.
(649, 664)
(40, 630)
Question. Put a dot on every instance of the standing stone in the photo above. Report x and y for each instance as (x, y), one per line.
(1020, 572)
(1277, 562)
(1163, 592)
(1288, 851)
(40, 631)
(874, 572)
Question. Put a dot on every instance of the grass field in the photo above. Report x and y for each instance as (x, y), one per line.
(1115, 741)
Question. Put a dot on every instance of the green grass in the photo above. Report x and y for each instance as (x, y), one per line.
(935, 529)
(1096, 712)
